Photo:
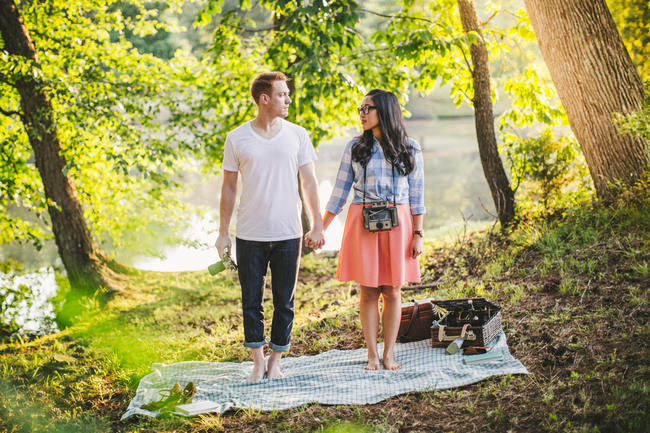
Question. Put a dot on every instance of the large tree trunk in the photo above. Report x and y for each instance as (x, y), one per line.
(595, 78)
(83, 260)
(502, 194)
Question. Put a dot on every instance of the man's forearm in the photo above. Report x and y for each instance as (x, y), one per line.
(227, 204)
(310, 189)
(314, 207)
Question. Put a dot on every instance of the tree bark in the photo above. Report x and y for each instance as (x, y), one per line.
(502, 194)
(595, 78)
(84, 262)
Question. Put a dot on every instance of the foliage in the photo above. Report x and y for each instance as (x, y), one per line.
(112, 109)
(318, 44)
(548, 166)
(632, 18)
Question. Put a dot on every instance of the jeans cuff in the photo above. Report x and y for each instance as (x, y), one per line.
(279, 348)
(255, 344)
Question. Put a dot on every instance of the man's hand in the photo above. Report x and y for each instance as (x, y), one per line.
(314, 238)
(223, 244)
(417, 246)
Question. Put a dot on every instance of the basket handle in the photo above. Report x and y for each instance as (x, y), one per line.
(442, 335)
(414, 314)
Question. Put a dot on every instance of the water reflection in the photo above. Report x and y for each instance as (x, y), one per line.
(203, 234)
(197, 255)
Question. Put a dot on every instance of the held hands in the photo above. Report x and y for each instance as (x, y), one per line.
(314, 238)
(417, 246)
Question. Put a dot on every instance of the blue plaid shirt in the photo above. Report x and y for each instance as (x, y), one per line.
(379, 180)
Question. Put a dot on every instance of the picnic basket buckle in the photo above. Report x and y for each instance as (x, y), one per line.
(465, 334)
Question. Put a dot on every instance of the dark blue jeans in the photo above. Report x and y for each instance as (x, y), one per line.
(253, 258)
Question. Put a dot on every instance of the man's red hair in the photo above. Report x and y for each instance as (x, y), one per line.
(263, 83)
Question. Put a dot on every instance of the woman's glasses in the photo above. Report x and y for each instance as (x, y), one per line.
(365, 109)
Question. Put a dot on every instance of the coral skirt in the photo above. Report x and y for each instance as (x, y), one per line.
(381, 258)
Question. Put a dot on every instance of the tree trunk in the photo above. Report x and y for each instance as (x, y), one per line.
(84, 262)
(595, 78)
(502, 194)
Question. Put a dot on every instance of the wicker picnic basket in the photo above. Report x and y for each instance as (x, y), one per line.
(476, 320)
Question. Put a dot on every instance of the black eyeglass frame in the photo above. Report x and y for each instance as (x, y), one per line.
(365, 109)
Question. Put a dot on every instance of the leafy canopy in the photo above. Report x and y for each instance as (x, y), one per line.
(114, 109)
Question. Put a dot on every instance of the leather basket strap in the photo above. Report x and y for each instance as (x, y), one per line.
(414, 314)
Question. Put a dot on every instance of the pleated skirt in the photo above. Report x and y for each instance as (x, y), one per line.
(381, 258)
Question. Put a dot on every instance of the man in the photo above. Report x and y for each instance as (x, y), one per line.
(269, 152)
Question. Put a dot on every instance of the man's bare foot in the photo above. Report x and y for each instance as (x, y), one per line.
(373, 364)
(257, 374)
(389, 362)
(274, 371)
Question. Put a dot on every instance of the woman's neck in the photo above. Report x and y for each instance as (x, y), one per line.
(377, 133)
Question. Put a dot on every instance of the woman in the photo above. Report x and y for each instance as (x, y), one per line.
(383, 165)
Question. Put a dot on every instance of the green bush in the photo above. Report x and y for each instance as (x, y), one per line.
(549, 174)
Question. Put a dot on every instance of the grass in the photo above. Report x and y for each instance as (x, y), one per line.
(574, 293)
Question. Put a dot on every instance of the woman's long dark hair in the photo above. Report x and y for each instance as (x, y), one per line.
(393, 140)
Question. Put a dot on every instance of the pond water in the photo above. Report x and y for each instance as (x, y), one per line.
(455, 194)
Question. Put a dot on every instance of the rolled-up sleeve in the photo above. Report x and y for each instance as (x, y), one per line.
(416, 181)
(344, 180)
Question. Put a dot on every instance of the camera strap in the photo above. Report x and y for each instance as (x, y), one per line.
(364, 183)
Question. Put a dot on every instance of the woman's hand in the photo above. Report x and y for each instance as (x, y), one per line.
(327, 219)
(417, 246)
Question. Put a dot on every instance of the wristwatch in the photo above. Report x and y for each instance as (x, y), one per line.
(419, 233)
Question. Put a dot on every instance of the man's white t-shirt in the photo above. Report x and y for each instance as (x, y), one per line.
(269, 203)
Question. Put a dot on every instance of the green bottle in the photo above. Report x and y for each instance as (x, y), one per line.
(215, 268)
(225, 262)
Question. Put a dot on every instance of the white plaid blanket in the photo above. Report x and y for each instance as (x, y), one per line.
(333, 377)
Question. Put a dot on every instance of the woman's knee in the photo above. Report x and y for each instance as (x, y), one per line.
(391, 293)
(370, 293)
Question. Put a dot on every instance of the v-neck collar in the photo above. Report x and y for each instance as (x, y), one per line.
(266, 140)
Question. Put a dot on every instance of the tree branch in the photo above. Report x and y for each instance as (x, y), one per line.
(407, 17)
(268, 29)
(485, 23)
(10, 113)
(404, 17)
(466, 61)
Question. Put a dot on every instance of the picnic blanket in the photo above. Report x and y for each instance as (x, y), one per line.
(332, 377)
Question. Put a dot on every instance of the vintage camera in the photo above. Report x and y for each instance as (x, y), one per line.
(379, 217)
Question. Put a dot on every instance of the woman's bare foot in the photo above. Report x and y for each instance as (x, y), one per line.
(257, 374)
(390, 364)
(373, 364)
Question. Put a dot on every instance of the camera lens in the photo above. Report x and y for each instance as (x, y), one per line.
(380, 225)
